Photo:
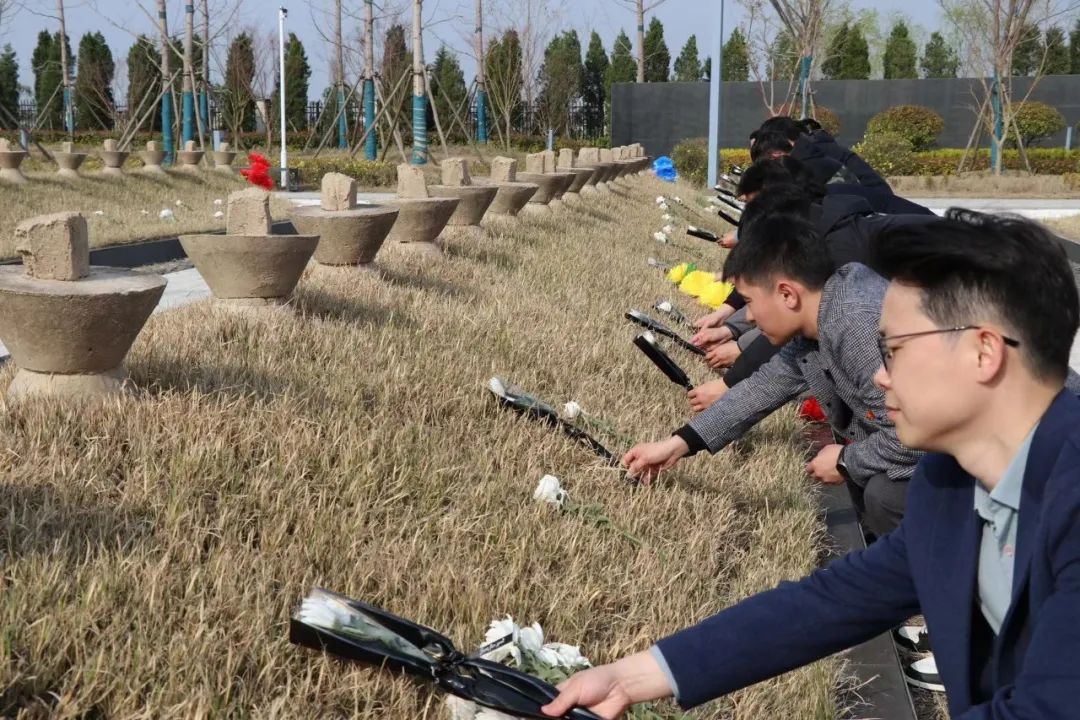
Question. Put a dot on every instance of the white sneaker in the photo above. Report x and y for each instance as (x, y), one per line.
(912, 637)
(923, 674)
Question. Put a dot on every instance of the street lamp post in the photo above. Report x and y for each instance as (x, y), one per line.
(282, 12)
(715, 89)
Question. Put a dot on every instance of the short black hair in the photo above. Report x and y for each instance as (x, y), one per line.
(766, 173)
(789, 127)
(768, 143)
(971, 267)
(780, 198)
(810, 125)
(780, 244)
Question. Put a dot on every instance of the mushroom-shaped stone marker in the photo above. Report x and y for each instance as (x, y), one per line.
(607, 157)
(552, 185)
(113, 159)
(596, 173)
(422, 217)
(512, 195)
(223, 159)
(582, 175)
(590, 157)
(68, 161)
(10, 160)
(474, 200)
(66, 324)
(627, 165)
(152, 158)
(190, 157)
(348, 235)
(249, 267)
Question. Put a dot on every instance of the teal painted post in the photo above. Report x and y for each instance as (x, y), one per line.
(804, 82)
(481, 117)
(999, 120)
(167, 127)
(371, 144)
(419, 124)
(343, 123)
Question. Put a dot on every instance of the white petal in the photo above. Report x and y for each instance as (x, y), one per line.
(99, 212)
(664, 307)
(677, 199)
(649, 336)
(571, 410)
(179, 203)
(668, 230)
(659, 199)
(532, 638)
(219, 214)
(219, 201)
(497, 386)
(550, 490)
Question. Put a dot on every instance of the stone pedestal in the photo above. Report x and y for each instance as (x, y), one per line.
(152, 160)
(68, 164)
(114, 162)
(223, 160)
(190, 159)
(511, 197)
(346, 237)
(473, 202)
(69, 337)
(420, 220)
(10, 160)
(549, 188)
(250, 270)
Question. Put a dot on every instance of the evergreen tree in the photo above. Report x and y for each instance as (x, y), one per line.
(48, 80)
(1029, 52)
(447, 87)
(297, 76)
(856, 62)
(593, 90)
(144, 79)
(939, 59)
(900, 54)
(1057, 52)
(238, 95)
(783, 57)
(94, 102)
(622, 68)
(706, 70)
(1074, 49)
(560, 80)
(736, 58)
(688, 65)
(657, 56)
(9, 88)
(832, 66)
(396, 64)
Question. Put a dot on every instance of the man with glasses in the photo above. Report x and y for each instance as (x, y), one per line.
(976, 331)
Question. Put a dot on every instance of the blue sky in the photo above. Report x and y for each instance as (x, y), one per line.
(450, 23)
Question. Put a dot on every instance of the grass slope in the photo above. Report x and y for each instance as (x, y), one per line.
(152, 549)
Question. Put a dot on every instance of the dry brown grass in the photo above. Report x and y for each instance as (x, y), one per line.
(153, 549)
(122, 201)
(1068, 227)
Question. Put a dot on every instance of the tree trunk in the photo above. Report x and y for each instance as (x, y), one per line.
(166, 83)
(420, 151)
(371, 146)
(339, 80)
(481, 79)
(65, 81)
(204, 81)
(187, 99)
(641, 41)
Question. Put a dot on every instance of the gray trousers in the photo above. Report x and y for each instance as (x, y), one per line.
(880, 502)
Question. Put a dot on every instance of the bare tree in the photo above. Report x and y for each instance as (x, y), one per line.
(992, 30)
(761, 28)
(804, 20)
(535, 22)
(640, 9)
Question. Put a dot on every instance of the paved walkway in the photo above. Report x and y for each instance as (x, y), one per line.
(1034, 208)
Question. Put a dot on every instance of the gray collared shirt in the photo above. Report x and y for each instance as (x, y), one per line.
(999, 510)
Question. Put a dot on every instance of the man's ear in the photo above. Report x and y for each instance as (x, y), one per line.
(991, 355)
(790, 294)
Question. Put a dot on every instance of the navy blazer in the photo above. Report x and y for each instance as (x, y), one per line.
(928, 564)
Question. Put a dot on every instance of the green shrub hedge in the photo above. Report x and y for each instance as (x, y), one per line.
(919, 125)
(367, 173)
(691, 158)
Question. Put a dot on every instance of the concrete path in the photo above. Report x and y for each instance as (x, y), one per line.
(307, 198)
(1034, 208)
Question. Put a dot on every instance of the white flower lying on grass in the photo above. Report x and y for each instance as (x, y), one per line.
(677, 199)
(497, 386)
(648, 335)
(99, 213)
(660, 237)
(166, 214)
(145, 212)
(179, 203)
(660, 199)
(571, 410)
(668, 230)
(667, 217)
(219, 202)
(664, 207)
(664, 307)
(219, 214)
(550, 490)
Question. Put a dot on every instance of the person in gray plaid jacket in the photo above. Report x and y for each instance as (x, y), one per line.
(827, 320)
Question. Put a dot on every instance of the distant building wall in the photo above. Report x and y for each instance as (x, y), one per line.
(660, 115)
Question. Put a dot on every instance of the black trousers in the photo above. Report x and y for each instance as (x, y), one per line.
(880, 502)
(753, 356)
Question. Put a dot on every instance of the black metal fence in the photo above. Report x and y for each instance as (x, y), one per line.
(583, 122)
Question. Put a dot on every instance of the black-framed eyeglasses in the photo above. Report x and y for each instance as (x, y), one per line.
(887, 352)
